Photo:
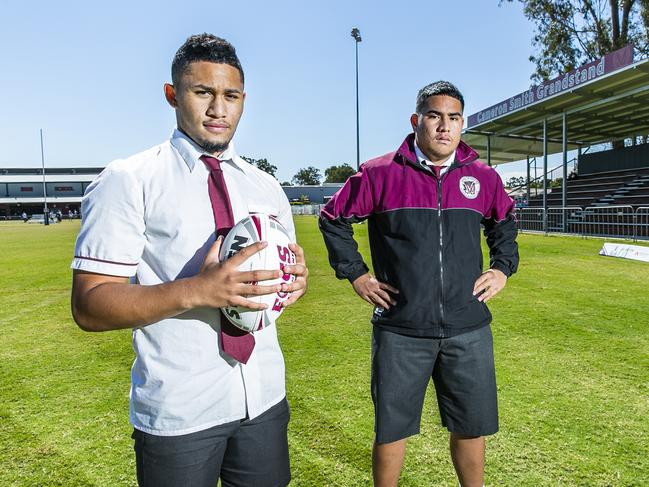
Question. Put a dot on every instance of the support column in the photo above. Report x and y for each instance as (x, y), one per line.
(545, 174)
(489, 150)
(564, 183)
(528, 180)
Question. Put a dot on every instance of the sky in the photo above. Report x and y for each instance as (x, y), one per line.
(90, 74)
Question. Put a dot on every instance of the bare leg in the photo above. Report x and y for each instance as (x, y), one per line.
(468, 458)
(387, 459)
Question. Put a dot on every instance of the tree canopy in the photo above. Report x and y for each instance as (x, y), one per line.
(570, 33)
(307, 176)
(338, 174)
(262, 164)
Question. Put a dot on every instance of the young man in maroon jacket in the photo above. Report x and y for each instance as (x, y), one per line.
(425, 205)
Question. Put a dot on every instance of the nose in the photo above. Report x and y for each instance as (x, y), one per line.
(444, 125)
(217, 108)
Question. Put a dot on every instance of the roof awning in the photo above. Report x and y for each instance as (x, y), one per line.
(612, 106)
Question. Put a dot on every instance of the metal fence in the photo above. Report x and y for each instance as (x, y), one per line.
(608, 221)
(559, 219)
(306, 209)
(593, 221)
(642, 223)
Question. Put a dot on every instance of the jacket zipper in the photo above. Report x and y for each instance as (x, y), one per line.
(441, 261)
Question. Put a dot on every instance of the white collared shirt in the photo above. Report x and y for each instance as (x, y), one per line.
(423, 160)
(150, 217)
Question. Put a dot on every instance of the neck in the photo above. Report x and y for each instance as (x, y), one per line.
(436, 160)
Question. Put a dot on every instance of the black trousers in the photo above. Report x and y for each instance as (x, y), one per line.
(242, 453)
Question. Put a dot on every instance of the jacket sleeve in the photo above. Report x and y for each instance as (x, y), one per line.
(352, 203)
(500, 228)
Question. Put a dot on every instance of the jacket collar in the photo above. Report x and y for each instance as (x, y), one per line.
(464, 153)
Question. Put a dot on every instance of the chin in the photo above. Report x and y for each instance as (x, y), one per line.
(213, 145)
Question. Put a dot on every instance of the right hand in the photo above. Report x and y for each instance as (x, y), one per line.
(221, 284)
(374, 292)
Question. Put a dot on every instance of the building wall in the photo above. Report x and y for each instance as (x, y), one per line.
(316, 194)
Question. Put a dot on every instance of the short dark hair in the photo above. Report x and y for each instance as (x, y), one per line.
(204, 47)
(438, 88)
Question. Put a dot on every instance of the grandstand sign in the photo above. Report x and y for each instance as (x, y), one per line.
(564, 83)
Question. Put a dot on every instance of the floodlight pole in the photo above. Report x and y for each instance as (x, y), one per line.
(45, 211)
(356, 34)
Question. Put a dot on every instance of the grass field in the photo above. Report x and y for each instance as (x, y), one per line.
(571, 335)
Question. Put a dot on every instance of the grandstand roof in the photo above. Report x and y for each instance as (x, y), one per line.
(611, 104)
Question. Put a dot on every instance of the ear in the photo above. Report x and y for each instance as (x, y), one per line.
(414, 121)
(170, 95)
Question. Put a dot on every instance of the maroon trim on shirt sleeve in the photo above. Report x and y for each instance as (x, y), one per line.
(104, 261)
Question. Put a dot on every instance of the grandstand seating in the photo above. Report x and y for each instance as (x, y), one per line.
(626, 187)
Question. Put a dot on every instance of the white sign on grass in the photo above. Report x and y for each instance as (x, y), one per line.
(634, 252)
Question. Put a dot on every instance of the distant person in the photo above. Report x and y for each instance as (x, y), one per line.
(425, 204)
(24, 217)
(207, 400)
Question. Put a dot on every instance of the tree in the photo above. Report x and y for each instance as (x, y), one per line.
(309, 176)
(515, 182)
(262, 164)
(570, 33)
(338, 174)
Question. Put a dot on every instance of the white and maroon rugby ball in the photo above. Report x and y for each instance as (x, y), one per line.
(259, 227)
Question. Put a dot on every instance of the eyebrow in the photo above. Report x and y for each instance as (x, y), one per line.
(210, 89)
(453, 114)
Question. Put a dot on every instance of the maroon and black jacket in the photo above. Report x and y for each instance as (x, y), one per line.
(424, 237)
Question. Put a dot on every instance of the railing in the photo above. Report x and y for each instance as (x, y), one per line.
(609, 221)
(642, 223)
(306, 209)
(559, 219)
(620, 221)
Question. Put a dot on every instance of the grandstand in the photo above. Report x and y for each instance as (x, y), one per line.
(605, 102)
(625, 187)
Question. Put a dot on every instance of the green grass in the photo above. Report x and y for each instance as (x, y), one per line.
(572, 357)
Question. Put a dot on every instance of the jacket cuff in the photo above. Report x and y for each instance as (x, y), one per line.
(502, 268)
(356, 273)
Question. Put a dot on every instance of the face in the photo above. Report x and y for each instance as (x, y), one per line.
(438, 127)
(208, 100)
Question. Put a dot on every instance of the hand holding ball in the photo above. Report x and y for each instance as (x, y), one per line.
(259, 227)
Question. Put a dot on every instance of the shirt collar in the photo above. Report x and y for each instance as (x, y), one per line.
(423, 160)
(192, 152)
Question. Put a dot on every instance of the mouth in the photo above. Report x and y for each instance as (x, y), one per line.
(216, 127)
(443, 140)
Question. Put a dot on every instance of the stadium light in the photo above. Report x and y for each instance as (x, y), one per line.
(356, 34)
(46, 217)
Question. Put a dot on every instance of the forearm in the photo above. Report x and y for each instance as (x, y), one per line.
(118, 305)
(342, 249)
(503, 249)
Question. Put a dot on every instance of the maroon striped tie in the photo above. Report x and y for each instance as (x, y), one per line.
(237, 343)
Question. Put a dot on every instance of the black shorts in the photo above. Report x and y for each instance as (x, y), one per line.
(462, 369)
(242, 453)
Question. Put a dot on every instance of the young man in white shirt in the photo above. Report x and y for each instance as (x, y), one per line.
(147, 258)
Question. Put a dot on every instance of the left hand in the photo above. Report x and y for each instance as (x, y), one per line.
(491, 282)
(300, 271)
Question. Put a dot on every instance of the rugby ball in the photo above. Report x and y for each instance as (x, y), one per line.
(258, 227)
